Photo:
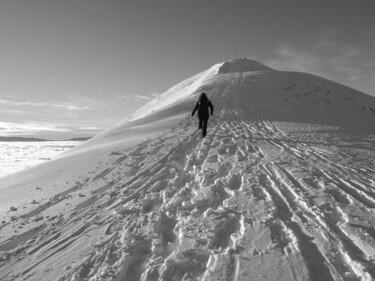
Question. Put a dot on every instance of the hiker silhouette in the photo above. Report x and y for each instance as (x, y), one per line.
(202, 107)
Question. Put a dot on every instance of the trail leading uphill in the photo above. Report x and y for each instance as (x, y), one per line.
(282, 188)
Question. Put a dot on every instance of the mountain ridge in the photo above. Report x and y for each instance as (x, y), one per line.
(295, 89)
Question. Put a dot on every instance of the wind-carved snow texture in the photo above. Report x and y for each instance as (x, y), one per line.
(257, 199)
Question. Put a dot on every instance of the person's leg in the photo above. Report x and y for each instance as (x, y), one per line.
(200, 123)
(204, 133)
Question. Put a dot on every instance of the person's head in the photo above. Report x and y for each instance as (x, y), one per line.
(203, 96)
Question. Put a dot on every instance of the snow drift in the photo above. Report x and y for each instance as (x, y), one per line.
(282, 188)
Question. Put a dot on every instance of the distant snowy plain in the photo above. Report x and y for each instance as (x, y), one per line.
(17, 156)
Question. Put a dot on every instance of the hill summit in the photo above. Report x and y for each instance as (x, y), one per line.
(281, 188)
(242, 65)
(246, 89)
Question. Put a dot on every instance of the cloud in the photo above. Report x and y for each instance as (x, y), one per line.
(291, 58)
(16, 111)
(371, 35)
(92, 128)
(87, 103)
(32, 128)
(327, 57)
(38, 128)
(326, 39)
(73, 115)
(56, 105)
(70, 114)
(74, 103)
(138, 99)
(141, 97)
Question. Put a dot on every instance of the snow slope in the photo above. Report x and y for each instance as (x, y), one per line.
(282, 188)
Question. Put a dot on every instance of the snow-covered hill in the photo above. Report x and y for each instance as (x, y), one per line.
(282, 188)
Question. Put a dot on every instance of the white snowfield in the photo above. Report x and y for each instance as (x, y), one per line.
(282, 188)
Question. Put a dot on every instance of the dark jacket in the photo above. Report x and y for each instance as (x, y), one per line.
(202, 107)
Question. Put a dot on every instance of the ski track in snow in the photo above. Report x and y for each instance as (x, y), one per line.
(251, 191)
(254, 200)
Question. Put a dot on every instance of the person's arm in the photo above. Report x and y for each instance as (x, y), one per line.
(195, 109)
(211, 108)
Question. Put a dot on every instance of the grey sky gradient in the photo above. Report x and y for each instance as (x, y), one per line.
(79, 66)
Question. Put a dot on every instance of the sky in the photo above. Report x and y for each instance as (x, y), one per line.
(73, 68)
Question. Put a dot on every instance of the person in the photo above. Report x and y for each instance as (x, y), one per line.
(202, 107)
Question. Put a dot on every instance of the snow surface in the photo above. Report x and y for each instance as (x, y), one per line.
(282, 188)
